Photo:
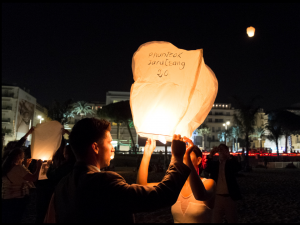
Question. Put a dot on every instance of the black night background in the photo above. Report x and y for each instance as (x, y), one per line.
(81, 51)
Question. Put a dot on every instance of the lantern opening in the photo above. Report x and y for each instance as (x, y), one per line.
(162, 139)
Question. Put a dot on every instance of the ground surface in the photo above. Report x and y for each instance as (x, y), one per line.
(270, 195)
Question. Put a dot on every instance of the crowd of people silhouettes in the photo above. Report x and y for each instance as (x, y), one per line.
(79, 189)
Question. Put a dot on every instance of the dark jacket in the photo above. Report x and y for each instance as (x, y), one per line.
(232, 167)
(86, 196)
(56, 174)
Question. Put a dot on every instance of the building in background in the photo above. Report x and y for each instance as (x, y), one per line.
(294, 140)
(219, 114)
(18, 112)
(124, 136)
(116, 96)
(41, 115)
(125, 142)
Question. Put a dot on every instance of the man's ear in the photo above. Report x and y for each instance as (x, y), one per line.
(95, 147)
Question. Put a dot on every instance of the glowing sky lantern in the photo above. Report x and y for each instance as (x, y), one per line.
(46, 139)
(173, 92)
(250, 31)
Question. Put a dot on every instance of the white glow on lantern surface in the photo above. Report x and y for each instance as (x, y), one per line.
(162, 139)
(160, 121)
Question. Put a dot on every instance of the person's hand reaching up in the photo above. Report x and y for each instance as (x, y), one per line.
(149, 147)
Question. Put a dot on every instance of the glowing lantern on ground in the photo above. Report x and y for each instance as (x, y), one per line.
(173, 90)
(46, 139)
(250, 31)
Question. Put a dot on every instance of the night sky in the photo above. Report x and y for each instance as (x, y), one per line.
(81, 51)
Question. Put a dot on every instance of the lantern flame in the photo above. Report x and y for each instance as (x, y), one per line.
(250, 31)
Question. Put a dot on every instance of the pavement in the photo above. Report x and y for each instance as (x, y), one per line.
(269, 196)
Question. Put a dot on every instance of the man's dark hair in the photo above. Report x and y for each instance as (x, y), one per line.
(224, 147)
(85, 132)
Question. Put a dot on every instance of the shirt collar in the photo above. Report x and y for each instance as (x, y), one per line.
(93, 168)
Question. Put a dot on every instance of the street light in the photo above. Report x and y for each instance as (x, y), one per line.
(41, 118)
(225, 125)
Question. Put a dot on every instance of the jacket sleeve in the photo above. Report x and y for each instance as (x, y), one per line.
(20, 142)
(56, 174)
(136, 198)
(235, 165)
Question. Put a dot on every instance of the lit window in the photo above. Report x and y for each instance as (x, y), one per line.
(213, 105)
(226, 105)
(92, 107)
(223, 105)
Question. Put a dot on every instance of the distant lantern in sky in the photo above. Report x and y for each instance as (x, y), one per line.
(173, 92)
(46, 139)
(250, 31)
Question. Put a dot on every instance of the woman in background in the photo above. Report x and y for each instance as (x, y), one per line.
(196, 199)
(16, 182)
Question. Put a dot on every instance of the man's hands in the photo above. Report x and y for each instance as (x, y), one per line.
(64, 131)
(188, 141)
(28, 161)
(49, 162)
(149, 147)
(39, 163)
(189, 145)
(178, 147)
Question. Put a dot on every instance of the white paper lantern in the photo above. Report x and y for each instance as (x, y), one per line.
(46, 139)
(173, 92)
(250, 31)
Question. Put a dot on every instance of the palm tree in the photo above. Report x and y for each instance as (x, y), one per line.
(275, 132)
(118, 112)
(225, 135)
(259, 133)
(82, 108)
(288, 121)
(245, 118)
(203, 130)
(61, 112)
(236, 133)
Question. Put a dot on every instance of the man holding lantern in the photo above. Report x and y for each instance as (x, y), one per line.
(88, 194)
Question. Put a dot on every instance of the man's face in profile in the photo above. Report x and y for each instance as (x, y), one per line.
(106, 150)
